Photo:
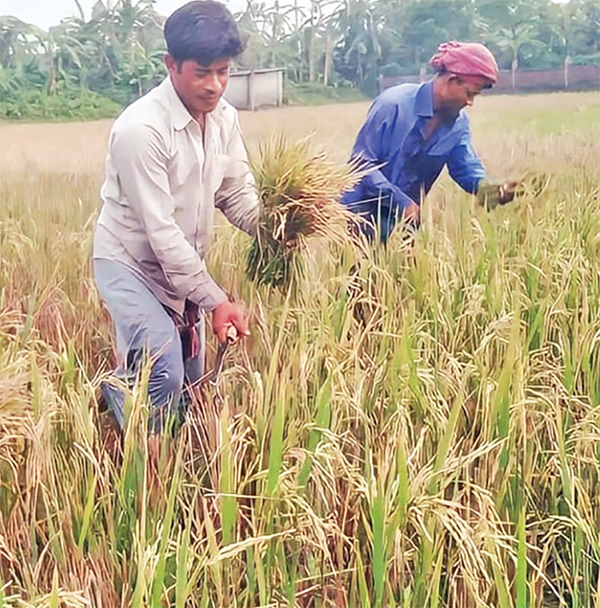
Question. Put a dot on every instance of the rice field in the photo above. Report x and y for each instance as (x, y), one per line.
(423, 434)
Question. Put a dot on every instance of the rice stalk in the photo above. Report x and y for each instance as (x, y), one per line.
(300, 192)
(442, 452)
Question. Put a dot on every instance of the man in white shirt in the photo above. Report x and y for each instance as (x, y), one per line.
(174, 155)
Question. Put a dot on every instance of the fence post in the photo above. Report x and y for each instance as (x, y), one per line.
(279, 88)
(251, 96)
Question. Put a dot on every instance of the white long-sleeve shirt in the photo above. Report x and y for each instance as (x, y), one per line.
(164, 179)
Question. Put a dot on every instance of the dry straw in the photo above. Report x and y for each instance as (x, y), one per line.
(442, 454)
(300, 191)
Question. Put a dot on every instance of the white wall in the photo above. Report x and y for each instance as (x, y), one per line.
(252, 90)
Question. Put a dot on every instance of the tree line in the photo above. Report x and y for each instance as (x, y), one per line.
(118, 51)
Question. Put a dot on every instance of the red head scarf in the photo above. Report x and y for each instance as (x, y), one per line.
(465, 59)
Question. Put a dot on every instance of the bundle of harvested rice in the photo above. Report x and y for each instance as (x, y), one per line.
(300, 194)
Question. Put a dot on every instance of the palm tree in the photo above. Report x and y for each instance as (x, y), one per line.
(566, 22)
(276, 28)
(275, 36)
(511, 25)
(589, 26)
(122, 45)
(19, 42)
(26, 47)
(514, 38)
(359, 50)
(325, 27)
(80, 10)
(248, 20)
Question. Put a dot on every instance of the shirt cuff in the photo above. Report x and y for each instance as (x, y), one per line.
(208, 295)
(401, 199)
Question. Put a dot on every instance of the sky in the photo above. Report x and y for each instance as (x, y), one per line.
(45, 13)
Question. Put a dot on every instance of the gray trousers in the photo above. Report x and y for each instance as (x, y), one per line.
(146, 330)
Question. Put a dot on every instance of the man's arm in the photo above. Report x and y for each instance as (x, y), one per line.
(464, 165)
(236, 197)
(467, 170)
(372, 150)
(140, 154)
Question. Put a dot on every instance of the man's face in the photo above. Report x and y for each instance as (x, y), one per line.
(199, 86)
(461, 92)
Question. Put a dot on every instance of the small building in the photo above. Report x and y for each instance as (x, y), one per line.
(253, 89)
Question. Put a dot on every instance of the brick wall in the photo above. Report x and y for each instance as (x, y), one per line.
(580, 77)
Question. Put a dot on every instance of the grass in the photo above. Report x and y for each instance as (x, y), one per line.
(545, 115)
(70, 104)
(317, 94)
(439, 449)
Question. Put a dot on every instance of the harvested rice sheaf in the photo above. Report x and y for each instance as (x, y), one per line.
(300, 192)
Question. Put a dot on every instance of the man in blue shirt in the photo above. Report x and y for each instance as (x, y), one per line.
(412, 131)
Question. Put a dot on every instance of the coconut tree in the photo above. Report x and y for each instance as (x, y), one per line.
(565, 21)
(248, 22)
(359, 51)
(326, 33)
(421, 25)
(139, 32)
(80, 10)
(23, 45)
(122, 46)
(513, 38)
(588, 34)
(276, 27)
(19, 42)
(267, 28)
(511, 25)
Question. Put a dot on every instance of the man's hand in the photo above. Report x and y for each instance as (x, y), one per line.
(229, 315)
(412, 213)
(490, 195)
(506, 192)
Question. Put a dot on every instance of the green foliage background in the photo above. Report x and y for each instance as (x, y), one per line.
(327, 46)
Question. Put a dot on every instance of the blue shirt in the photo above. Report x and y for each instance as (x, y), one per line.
(392, 139)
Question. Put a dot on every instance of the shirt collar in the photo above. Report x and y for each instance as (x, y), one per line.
(424, 99)
(180, 115)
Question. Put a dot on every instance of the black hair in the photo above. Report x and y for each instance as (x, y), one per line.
(203, 31)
